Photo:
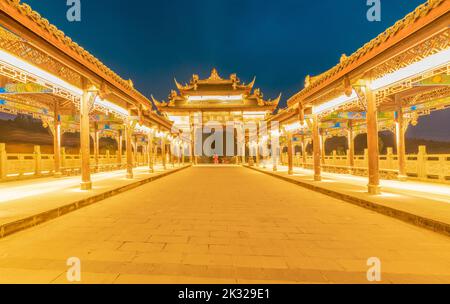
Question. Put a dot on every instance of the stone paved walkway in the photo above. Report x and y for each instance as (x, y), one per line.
(427, 200)
(224, 225)
(20, 199)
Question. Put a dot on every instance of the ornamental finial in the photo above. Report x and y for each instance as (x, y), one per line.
(214, 75)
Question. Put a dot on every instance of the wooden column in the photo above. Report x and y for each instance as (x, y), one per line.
(257, 152)
(290, 154)
(191, 156)
(119, 149)
(304, 156)
(163, 152)
(171, 153)
(86, 101)
(275, 149)
(183, 147)
(96, 146)
(128, 138)
(401, 147)
(150, 152)
(194, 159)
(251, 153)
(135, 148)
(191, 147)
(372, 141)
(3, 159)
(351, 146)
(257, 145)
(317, 148)
(144, 155)
(243, 148)
(323, 139)
(57, 141)
(262, 149)
(37, 161)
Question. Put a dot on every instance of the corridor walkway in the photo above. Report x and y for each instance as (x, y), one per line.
(224, 225)
(24, 198)
(424, 199)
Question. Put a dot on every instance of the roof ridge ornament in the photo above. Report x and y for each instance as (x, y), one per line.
(214, 75)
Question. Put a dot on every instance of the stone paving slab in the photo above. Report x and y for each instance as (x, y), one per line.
(224, 225)
(423, 204)
(24, 204)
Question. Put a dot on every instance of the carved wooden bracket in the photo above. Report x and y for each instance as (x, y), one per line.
(361, 93)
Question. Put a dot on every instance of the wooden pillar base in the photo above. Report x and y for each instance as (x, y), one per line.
(130, 175)
(374, 189)
(317, 178)
(291, 172)
(86, 186)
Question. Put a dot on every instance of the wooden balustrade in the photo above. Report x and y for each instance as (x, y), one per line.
(420, 166)
(16, 166)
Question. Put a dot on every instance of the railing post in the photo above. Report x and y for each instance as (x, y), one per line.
(389, 158)
(63, 157)
(422, 162)
(334, 157)
(37, 160)
(3, 158)
(108, 159)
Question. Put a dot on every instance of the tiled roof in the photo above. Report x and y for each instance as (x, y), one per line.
(409, 19)
(72, 48)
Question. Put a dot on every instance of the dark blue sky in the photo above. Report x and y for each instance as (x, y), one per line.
(279, 42)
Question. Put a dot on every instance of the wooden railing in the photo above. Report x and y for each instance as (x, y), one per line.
(15, 166)
(420, 166)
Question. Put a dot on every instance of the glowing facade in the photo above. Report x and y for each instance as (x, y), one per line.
(215, 100)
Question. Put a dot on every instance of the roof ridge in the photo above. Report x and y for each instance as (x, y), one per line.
(26, 10)
(411, 17)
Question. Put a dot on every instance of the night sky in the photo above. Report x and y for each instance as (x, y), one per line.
(279, 42)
